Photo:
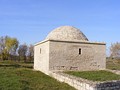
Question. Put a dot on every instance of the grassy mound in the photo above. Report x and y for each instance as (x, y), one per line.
(23, 78)
(95, 75)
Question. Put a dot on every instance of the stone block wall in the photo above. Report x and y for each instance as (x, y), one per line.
(82, 84)
(72, 55)
(41, 57)
(51, 55)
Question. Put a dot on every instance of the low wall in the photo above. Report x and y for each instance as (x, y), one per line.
(82, 84)
(114, 71)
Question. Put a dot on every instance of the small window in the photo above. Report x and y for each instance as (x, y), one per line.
(80, 51)
(40, 50)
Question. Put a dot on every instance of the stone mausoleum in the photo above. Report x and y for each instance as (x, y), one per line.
(67, 48)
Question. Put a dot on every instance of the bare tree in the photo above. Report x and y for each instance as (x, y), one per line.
(115, 50)
(22, 51)
(31, 53)
(2, 47)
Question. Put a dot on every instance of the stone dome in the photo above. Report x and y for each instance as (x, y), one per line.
(66, 33)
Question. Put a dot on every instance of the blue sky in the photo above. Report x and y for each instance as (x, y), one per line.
(31, 20)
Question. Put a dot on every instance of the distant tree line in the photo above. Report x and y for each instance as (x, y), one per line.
(10, 49)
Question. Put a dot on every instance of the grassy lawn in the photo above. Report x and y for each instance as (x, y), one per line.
(95, 75)
(20, 76)
(13, 77)
(113, 64)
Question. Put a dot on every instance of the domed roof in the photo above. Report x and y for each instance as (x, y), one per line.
(66, 33)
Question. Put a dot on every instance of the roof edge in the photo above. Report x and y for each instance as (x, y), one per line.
(69, 41)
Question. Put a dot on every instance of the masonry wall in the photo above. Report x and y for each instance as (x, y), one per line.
(66, 56)
(41, 57)
(82, 84)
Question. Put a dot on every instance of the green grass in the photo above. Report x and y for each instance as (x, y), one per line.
(113, 64)
(95, 75)
(19, 78)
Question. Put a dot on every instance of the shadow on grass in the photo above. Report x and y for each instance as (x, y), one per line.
(16, 66)
(29, 62)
